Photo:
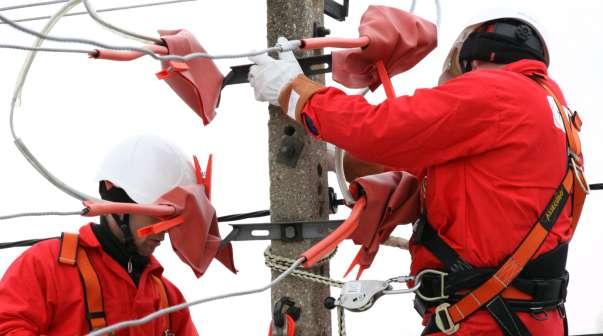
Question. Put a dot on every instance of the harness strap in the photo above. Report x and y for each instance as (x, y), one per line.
(72, 254)
(163, 303)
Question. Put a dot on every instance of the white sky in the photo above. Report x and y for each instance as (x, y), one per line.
(75, 108)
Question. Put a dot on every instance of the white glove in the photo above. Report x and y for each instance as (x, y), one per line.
(270, 76)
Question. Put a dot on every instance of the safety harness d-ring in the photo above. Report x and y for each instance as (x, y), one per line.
(442, 276)
(444, 321)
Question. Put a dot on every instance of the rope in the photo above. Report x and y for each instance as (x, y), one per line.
(341, 320)
(280, 264)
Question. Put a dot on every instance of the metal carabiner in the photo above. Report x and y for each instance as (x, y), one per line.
(403, 279)
(442, 275)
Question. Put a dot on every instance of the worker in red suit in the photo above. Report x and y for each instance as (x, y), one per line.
(489, 144)
(105, 274)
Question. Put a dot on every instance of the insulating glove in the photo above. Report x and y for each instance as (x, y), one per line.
(270, 76)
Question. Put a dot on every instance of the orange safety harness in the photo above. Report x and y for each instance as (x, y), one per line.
(447, 317)
(71, 253)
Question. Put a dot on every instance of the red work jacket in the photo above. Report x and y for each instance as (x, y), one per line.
(40, 296)
(489, 148)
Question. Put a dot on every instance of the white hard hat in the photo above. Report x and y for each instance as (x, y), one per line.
(146, 167)
(452, 66)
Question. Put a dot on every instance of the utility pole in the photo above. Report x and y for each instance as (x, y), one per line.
(298, 174)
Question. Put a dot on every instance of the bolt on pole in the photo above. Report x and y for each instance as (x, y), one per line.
(298, 174)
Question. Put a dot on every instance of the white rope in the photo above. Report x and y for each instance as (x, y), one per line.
(124, 32)
(281, 264)
(161, 312)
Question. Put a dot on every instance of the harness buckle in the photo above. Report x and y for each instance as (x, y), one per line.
(442, 295)
(444, 321)
(579, 172)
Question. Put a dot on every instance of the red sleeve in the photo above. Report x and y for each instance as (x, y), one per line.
(411, 133)
(28, 293)
(181, 322)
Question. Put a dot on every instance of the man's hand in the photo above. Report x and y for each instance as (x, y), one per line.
(270, 76)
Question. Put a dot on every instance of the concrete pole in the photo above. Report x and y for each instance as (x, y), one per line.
(298, 193)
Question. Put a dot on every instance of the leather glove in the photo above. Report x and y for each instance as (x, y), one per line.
(270, 76)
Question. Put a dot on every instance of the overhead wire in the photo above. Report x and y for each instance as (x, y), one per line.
(16, 96)
(56, 50)
(33, 4)
(165, 311)
(124, 32)
(292, 45)
(104, 10)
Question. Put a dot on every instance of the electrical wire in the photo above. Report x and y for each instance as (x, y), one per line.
(58, 50)
(165, 311)
(438, 11)
(23, 243)
(126, 33)
(236, 217)
(34, 4)
(144, 5)
(16, 95)
(40, 214)
(291, 45)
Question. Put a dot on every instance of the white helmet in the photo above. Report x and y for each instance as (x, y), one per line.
(146, 167)
(452, 65)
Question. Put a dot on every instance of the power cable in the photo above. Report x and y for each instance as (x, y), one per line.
(165, 311)
(144, 5)
(33, 4)
(57, 50)
(126, 33)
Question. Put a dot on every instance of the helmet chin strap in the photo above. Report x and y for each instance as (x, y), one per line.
(124, 225)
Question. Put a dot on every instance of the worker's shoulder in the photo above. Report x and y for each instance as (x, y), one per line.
(46, 249)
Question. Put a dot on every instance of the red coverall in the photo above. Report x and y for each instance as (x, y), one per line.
(40, 296)
(488, 148)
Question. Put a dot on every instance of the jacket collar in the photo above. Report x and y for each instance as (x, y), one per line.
(528, 67)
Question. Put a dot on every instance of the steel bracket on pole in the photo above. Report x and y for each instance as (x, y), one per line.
(336, 10)
(287, 231)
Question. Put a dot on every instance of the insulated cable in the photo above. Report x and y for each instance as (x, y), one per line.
(144, 5)
(139, 37)
(23, 243)
(438, 11)
(165, 311)
(16, 95)
(34, 4)
(57, 50)
(40, 214)
(292, 45)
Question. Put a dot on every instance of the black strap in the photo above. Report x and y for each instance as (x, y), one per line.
(508, 322)
(426, 235)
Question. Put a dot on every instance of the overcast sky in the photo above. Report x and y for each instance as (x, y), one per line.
(74, 108)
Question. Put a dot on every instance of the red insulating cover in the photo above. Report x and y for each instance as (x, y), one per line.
(197, 240)
(199, 86)
(392, 199)
(398, 38)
